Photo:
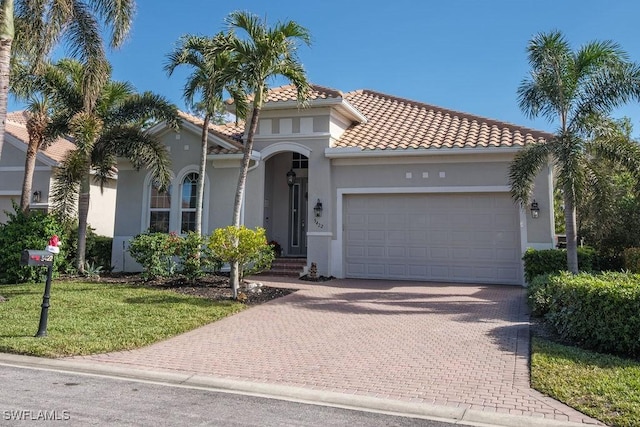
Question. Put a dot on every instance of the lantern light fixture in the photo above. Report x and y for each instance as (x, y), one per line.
(317, 209)
(535, 209)
(291, 177)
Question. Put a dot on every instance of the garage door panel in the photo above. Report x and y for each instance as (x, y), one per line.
(445, 237)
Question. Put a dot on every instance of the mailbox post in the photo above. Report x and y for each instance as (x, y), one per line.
(41, 259)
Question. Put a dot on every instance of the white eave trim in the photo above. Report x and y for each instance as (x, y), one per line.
(255, 155)
(339, 103)
(353, 152)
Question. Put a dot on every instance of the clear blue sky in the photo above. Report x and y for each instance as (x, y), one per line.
(466, 55)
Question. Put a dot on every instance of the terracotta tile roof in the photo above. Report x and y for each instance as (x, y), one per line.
(16, 125)
(398, 124)
(230, 132)
(289, 93)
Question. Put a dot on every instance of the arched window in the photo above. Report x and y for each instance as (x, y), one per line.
(159, 209)
(188, 203)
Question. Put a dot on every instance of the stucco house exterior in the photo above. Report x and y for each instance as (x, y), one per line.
(102, 204)
(363, 184)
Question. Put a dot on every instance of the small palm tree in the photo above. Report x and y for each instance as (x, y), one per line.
(204, 90)
(113, 128)
(577, 90)
(38, 26)
(265, 53)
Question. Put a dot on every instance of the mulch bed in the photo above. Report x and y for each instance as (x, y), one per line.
(214, 287)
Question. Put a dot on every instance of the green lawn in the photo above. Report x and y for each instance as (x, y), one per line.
(87, 318)
(601, 386)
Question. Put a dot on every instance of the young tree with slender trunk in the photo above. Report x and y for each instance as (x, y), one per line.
(577, 90)
(262, 53)
(211, 78)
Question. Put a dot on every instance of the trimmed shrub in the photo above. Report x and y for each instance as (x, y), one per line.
(27, 231)
(195, 256)
(549, 261)
(600, 312)
(155, 252)
(632, 260)
(540, 293)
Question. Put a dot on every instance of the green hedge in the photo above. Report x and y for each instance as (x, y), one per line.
(599, 312)
(549, 261)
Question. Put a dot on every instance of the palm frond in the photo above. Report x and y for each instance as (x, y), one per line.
(143, 150)
(524, 168)
(140, 108)
(66, 184)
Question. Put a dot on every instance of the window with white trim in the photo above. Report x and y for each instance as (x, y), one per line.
(159, 209)
(188, 203)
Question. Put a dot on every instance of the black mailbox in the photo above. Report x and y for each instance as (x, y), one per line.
(36, 258)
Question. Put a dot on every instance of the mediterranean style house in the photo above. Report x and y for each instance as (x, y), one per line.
(102, 203)
(363, 184)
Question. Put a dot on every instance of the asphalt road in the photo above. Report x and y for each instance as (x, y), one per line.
(30, 396)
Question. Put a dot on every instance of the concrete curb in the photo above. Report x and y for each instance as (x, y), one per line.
(318, 397)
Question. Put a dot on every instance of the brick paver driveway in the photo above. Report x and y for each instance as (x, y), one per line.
(453, 345)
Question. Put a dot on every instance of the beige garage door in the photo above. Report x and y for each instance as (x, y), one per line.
(471, 238)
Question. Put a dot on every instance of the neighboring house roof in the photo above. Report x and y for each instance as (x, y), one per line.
(394, 123)
(16, 125)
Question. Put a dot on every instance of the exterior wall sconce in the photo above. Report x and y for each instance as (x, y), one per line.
(535, 209)
(317, 209)
(291, 177)
(37, 196)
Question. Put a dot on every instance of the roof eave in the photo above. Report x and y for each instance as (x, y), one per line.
(353, 152)
(339, 103)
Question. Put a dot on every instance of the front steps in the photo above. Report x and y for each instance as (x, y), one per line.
(288, 267)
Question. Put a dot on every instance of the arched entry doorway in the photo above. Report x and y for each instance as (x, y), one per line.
(286, 202)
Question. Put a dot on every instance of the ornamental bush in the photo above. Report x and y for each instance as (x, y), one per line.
(600, 312)
(28, 231)
(632, 260)
(156, 253)
(252, 252)
(550, 261)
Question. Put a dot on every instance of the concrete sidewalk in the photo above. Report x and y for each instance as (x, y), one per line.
(453, 352)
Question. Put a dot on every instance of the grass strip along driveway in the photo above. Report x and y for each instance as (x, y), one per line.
(86, 318)
(602, 386)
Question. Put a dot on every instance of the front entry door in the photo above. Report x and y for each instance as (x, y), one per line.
(298, 218)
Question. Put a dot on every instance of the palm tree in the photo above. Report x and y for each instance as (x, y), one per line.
(208, 82)
(113, 128)
(37, 127)
(37, 27)
(577, 90)
(265, 53)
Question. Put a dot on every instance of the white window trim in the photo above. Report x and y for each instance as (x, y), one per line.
(176, 197)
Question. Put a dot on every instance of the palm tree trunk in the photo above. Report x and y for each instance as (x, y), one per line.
(201, 172)
(6, 39)
(29, 167)
(83, 214)
(570, 229)
(242, 181)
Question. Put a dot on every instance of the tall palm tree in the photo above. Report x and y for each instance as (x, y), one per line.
(113, 128)
(261, 55)
(577, 90)
(205, 89)
(37, 127)
(38, 25)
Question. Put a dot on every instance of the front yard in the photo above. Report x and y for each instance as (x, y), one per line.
(602, 386)
(87, 318)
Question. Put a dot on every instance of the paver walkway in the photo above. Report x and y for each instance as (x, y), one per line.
(454, 345)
